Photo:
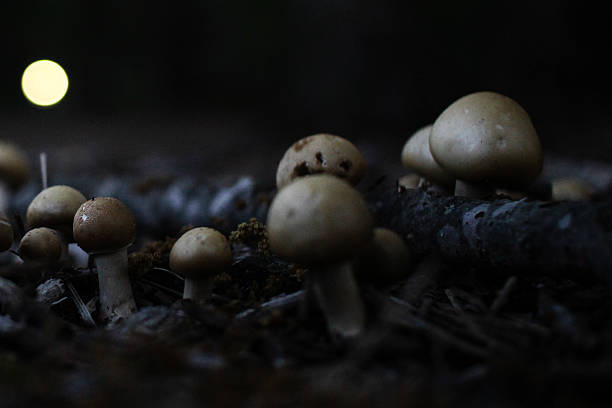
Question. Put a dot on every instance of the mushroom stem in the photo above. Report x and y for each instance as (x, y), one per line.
(472, 190)
(5, 196)
(338, 295)
(198, 290)
(116, 299)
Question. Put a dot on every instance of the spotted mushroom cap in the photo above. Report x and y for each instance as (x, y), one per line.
(42, 245)
(54, 207)
(14, 166)
(318, 219)
(487, 137)
(417, 157)
(6, 232)
(103, 225)
(201, 252)
(321, 153)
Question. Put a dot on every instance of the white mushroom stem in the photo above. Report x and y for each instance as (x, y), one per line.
(5, 196)
(472, 190)
(116, 299)
(198, 290)
(338, 295)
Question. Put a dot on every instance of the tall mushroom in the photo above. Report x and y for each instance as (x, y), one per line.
(14, 171)
(6, 233)
(417, 157)
(200, 254)
(486, 140)
(104, 227)
(322, 222)
(321, 153)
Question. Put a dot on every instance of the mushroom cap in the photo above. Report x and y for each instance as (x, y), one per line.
(14, 166)
(417, 156)
(321, 153)
(487, 137)
(318, 220)
(386, 258)
(6, 232)
(103, 225)
(54, 207)
(201, 252)
(570, 189)
(41, 245)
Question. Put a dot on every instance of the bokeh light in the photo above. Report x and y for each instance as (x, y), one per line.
(44, 83)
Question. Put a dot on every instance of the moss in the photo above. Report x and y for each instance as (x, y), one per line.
(253, 234)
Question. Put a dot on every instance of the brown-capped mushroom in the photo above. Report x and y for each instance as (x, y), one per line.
(104, 227)
(41, 246)
(385, 260)
(199, 255)
(6, 232)
(322, 222)
(486, 140)
(417, 157)
(321, 153)
(14, 171)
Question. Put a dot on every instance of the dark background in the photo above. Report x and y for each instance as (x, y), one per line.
(188, 77)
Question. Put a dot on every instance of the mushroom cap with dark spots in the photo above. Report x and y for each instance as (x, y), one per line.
(103, 225)
(321, 153)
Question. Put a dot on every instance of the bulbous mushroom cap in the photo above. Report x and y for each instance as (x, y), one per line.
(386, 258)
(14, 167)
(487, 137)
(317, 220)
(41, 245)
(6, 232)
(54, 207)
(417, 157)
(321, 153)
(201, 252)
(103, 225)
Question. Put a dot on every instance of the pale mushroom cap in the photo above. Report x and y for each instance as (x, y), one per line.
(6, 232)
(14, 166)
(321, 153)
(104, 224)
(201, 252)
(318, 219)
(386, 258)
(487, 137)
(54, 207)
(417, 157)
(570, 189)
(41, 245)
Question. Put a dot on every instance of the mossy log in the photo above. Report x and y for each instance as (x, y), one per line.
(515, 237)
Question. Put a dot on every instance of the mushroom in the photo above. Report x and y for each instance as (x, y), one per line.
(321, 153)
(385, 260)
(14, 171)
(54, 207)
(6, 233)
(41, 246)
(570, 189)
(485, 140)
(322, 222)
(104, 227)
(200, 254)
(417, 157)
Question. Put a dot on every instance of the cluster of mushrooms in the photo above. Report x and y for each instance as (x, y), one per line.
(318, 219)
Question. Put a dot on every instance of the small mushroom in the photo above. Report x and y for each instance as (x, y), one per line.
(408, 182)
(104, 227)
(200, 254)
(41, 246)
(486, 140)
(6, 233)
(321, 153)
(322, 222)
(570, 189)
(417, 157)
(14, 171)
(385, 260)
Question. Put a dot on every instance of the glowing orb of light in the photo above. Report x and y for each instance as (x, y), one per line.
(44, 83)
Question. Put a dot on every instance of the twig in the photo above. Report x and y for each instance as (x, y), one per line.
(161, 287)
(176, 275)
(278, 302)
(504, 293)
(81, 307)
